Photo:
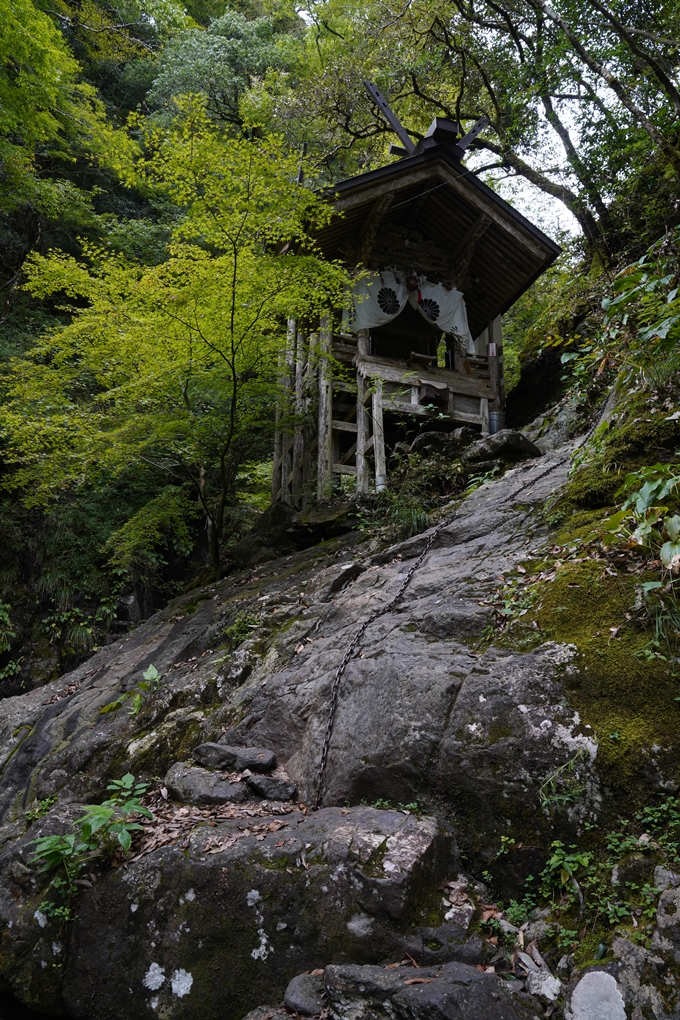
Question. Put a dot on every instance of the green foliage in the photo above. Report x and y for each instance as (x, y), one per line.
(102, 832)
(151, 683)
(41, 809)
(223, 62)
(105, 393)
(136, 549)
(562, 787)
(238, 631)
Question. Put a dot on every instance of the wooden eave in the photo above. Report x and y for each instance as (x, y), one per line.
(492, 251)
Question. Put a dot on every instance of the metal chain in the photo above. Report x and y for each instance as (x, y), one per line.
(350, 651)
(388, 608)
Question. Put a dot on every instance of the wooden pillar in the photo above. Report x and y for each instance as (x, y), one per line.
(325, 434)
(299, 441)
(283, 445)
(362, 417)
(484, 415)
(379, 437)
(495, 355)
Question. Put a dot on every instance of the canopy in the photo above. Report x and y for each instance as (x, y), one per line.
(379, 297)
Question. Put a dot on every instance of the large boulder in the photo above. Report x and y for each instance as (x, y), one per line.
(454, 991)
(213, 924)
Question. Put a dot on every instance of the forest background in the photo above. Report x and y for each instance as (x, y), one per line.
(154, 156)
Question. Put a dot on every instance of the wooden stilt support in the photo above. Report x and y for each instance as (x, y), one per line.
(362, 419)
(325, 435)
(379, 437)
(298, 441)
(495, 353)
(484, 415)
(284, 441)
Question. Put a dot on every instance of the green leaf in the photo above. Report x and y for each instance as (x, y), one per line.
(669, 552)
(672, 526)
(125, 839)
(151, 674)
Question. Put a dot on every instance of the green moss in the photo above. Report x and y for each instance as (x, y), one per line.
(591, 487)
(628, 701)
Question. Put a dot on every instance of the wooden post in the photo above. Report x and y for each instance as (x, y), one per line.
(379, 437)
(362, 417)
(484, 415)
(325, 435)
(496, 364)
(285, 440)
(298, 441)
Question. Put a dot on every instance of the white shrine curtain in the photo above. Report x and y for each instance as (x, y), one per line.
(379, 297)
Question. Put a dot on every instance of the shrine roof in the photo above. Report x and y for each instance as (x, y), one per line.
(429, 214)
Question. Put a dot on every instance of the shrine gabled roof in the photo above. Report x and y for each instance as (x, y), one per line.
(429, 214)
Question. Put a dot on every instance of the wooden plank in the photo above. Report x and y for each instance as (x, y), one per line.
(343, 469)
(392, 371)
(379, 437)
(362, 419)
(325, 433)
(344, 426)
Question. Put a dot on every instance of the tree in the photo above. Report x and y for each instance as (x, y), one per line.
(173, 365)
(223, 62)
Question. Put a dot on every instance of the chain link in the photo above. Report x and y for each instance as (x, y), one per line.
(350, 652)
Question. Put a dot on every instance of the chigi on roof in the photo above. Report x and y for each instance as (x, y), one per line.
(446, 257)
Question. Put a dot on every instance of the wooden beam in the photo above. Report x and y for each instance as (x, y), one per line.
(379, 437)
(325, 434)
(344, 469)
(344, 426)
(461, 256)
(391, 371)
(371, 225)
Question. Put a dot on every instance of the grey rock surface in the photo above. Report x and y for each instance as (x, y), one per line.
(215, 755)
(195, 785)
(242, 921)
(272, 788)
(451, 992)
(304, 995)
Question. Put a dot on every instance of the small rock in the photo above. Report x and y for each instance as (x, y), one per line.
(664, 878)
(543, 984)
(221, 756)
(199, 786)
(303, 995)
(507, 445)
(272, 789)
(597, 997)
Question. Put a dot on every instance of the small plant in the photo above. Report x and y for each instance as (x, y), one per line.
(41, 809)
(237, 632)
(104, 830)
(561, 788)
(151, 682)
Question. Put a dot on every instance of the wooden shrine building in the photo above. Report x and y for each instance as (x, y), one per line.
(443, 257)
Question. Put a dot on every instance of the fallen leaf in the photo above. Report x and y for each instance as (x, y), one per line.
(521, 569)
(419, 981)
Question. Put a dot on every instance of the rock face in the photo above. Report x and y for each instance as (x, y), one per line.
(207, 931)
(452, 992)
(223, 912)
